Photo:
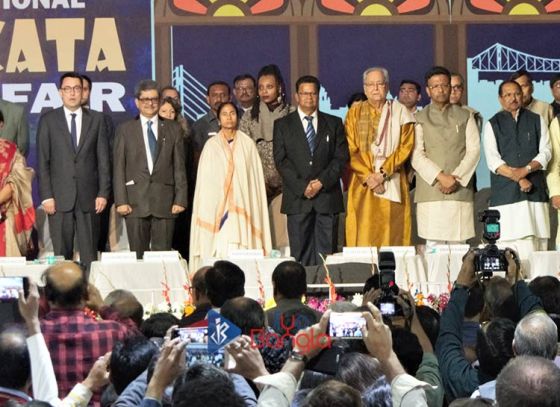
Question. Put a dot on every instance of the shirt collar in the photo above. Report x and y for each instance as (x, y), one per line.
(68, 112)
(145, 120)
(303, 115)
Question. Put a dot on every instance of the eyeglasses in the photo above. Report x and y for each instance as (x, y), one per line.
(457, 87)
(70, 89)
(146, 101)
(442, 86)
(312, 94)
(375, 84)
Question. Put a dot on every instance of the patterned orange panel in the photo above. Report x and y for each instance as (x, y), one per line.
(514, 7)
(228, 8)
(376, 7)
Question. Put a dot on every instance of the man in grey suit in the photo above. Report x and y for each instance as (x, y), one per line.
(15, 128)
(74, 171)
(149, 176)
(310, 152)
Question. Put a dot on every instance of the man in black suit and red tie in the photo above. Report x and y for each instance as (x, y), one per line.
(149, 177)
(74, 171)
(310, 152)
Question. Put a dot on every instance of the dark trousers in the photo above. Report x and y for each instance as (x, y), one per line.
(63, 226)
(312, 234)
(104, 218)
(143, 231)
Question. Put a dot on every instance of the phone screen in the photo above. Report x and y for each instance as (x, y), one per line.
(387, 308)
(10, 286)
(346, 325)
(191, 335)
(198, 353)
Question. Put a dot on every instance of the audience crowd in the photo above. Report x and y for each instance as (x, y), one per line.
(496, 343)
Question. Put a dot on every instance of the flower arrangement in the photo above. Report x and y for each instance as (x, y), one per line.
(322, 304)
(437, 302)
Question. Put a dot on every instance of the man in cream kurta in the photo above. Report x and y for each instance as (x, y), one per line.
(553, 176)
(445, 156)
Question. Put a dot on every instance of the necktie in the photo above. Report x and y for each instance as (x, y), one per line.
(152, 142)
(74, 131)
(310, 133)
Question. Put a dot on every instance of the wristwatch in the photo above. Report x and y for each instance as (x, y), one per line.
(529, 168)
(298, 356)
(457, 285)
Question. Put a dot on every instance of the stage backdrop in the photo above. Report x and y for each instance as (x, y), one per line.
(110, 41)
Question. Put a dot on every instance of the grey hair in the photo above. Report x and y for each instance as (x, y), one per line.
(536, 335)
(144, 85)
(384, 71)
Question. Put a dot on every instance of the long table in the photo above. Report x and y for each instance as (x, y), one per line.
(429, 273)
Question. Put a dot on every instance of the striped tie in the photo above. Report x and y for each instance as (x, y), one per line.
(310, 133)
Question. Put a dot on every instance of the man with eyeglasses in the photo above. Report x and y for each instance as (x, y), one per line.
(524, 79)
(149, 174)
(380, 134)
(445, 157)
(244, 91)
(310, 152)
(74, 171)
(456, 97)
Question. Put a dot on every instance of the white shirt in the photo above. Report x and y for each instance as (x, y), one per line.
(68, 115)
(493, 157)
(144, 121)
(535, 214)
(302, 117)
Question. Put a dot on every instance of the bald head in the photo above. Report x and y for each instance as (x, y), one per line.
(536, 335)
(199, 286)
(126, 305)
(15, 369)
(65, 285)
(528, 381)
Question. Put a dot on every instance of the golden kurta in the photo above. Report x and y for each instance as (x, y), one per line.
(373, 220)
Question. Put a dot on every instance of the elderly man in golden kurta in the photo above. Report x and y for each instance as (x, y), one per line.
(380, 136)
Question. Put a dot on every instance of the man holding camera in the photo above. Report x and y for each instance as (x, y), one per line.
(517, 148)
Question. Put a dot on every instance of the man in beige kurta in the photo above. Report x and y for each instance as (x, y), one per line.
(553, 176)
(446, 153)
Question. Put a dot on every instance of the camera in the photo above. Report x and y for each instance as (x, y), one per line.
(387, 304)
(490, 259)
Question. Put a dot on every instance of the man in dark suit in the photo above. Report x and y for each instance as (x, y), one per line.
(74, 171)
(310, 152)
(150, 181)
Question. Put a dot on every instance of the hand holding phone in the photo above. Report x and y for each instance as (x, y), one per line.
(11, 286)
(347, 325)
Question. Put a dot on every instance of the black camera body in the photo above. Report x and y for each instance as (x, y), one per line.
(490, 259)
(387, 304)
